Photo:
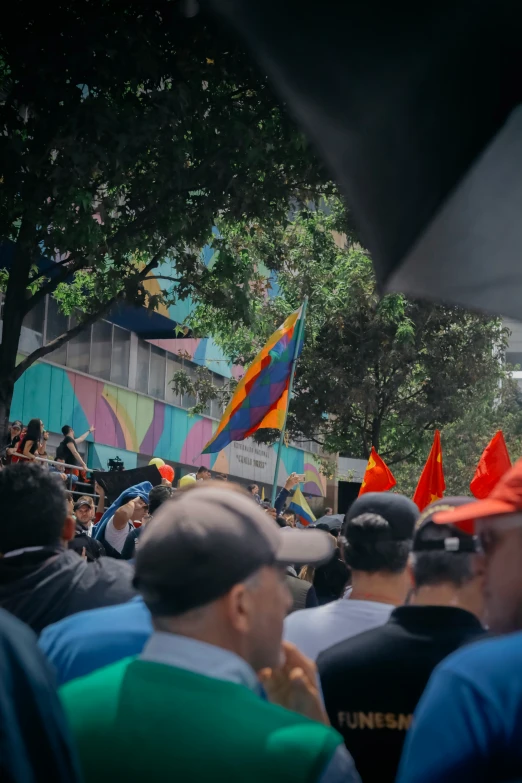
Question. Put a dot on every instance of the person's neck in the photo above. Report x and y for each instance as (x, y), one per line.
(379, 587)
(442, 595)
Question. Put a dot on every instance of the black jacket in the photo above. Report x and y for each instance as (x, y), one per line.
(49, 584)
(35, 741)
(83, 542)
(372, 682)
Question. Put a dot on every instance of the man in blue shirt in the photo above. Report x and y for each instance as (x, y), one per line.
(87, 641)
(468, 725)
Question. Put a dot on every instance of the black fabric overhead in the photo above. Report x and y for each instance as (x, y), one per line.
(402, 101)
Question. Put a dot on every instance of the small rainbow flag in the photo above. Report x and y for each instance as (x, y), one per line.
(261, 395)
(301, 508)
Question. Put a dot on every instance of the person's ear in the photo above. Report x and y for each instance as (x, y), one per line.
(68, 529)
(239, 607)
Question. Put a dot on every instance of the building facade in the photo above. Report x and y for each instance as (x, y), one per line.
(119, 381)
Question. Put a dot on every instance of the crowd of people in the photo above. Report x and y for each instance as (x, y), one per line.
(231, 644)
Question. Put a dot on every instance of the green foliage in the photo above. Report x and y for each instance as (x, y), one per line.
(201, 387)
(383, 371)
(464, 440)
(126, 129)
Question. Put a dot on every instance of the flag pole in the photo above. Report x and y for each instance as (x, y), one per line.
(290, 387)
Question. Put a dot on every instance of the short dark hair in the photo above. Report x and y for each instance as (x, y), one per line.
(66, 429)
(440, 567)
(34, 507)
(251, 487)
(203, 469)
(158, 495)
(369, 545)
(281, 521)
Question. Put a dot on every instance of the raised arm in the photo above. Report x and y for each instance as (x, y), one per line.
(85, 435)
(101, 500)
(124, 514)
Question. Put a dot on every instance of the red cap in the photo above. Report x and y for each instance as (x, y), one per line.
(505, 498)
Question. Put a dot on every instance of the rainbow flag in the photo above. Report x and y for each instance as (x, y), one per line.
(261, 395)
(301, 508)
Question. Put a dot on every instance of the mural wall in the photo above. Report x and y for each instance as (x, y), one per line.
(129, 424)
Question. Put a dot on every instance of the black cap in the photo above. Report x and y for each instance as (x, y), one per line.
(432, 537)
(399, 512)
(85, 500)
(204, 541)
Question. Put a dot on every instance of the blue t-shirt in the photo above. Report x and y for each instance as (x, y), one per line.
(86, 641)
(468, 725)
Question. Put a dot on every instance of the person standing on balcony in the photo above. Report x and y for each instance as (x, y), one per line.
(68, 451)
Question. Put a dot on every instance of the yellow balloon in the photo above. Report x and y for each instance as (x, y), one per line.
(157, 461)
(186, 480)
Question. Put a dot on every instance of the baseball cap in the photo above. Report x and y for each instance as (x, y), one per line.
(505, 498)
(206, 540)
(400, 512)
(454, 539)
(85, 500)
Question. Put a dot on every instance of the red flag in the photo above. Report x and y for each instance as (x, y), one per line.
(377, 477)
(431, 484)
(493, 463)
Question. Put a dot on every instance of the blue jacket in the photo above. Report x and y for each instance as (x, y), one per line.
(137, 491)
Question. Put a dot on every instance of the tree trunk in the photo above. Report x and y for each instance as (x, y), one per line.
(14, 310)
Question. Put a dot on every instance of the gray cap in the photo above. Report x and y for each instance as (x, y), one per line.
(206, 540)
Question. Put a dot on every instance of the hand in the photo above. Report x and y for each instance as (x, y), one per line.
(292, 481)
(294, 685)
(166, 482)
(98, 489)
(91, 428)
(271, 512)
(64, 476)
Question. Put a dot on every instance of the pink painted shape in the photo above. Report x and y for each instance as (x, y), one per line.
(86, 392)
(105, 420)
(199, 435)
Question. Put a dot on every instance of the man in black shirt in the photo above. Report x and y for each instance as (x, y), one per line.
(372, 682)
(67, 449)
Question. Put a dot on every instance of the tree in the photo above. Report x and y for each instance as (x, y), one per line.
(380, 371)
(464, 440)
(126, 129)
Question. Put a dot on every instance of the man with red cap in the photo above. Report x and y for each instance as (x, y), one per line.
(468, 726)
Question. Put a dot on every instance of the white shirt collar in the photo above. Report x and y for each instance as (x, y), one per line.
(200, 658)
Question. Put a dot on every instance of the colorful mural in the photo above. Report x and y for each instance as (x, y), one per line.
(129, 424)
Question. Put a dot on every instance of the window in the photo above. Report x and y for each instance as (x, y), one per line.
(157, 372)
(31, 336)
(188, 400)
(101, 350)
(79, 348)
(142, 367)
(120, 356)
(173, 366)
(216, 409)
(57, 324)
(514, 357)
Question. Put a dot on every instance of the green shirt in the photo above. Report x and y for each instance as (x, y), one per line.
(143, 721)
